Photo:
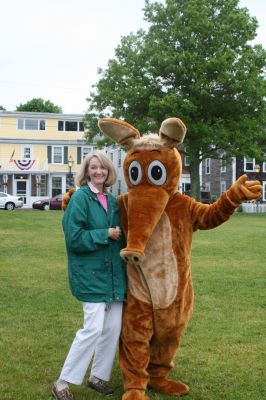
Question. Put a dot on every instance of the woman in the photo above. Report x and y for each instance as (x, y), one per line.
(96, 276)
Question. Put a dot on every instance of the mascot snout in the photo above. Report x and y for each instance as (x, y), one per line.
(141, 222)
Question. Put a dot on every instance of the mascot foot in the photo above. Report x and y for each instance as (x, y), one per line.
(135, 394)
(171, 388)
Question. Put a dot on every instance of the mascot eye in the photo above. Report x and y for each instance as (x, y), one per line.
(157, 173)
(135, 173)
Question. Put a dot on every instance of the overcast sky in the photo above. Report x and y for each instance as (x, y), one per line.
(52, 48)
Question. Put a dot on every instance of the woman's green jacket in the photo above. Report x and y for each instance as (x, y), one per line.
(95, 269)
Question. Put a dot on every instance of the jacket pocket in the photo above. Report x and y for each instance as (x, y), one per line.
(94, 278)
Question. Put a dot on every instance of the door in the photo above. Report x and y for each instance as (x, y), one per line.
(22, 190)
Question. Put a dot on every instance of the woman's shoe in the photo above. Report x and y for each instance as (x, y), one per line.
(99, 385)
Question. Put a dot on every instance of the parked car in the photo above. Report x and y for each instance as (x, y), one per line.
(54, 203)
(9, 202)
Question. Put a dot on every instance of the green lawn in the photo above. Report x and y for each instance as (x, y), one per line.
(222, 354)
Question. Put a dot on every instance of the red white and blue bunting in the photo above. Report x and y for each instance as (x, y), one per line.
(24, 164)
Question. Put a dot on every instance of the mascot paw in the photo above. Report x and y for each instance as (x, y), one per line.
(171, 388)
(243, 190)
(135, 394)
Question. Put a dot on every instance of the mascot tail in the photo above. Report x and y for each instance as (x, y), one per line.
(66, 198)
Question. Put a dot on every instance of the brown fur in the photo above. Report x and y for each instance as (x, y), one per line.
(66, 198)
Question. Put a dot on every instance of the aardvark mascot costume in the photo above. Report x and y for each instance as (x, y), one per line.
(158, 222)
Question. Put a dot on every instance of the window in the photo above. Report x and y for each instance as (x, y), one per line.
(56, 185)
(43, 186)
(26, 153)
(185, 187)
(38, 185)
(208, 166)
(119, 187)
(249, 164)
(57, 155)
(85, 151)
(82, 152)
(119, 158)
(186, 159)
(60, 125)
(264, 191)
(264, 164)
(70, 126)
(42, 125)
(223, 166)
(20, 123)
(31, 124)
(223, 187)
(207, 187)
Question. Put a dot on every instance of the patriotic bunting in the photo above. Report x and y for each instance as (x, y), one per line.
(24, 164)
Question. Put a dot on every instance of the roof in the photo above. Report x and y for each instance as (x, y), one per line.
(27, 114)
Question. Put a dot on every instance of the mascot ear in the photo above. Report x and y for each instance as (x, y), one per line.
(120, 131)
(172, 132)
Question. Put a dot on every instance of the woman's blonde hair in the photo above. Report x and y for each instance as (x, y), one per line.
(82, 176)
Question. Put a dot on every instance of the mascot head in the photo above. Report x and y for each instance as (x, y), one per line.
(152, 169)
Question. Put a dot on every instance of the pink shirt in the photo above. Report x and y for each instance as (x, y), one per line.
(101, 197)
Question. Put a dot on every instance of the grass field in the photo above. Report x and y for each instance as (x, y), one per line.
(222, 354)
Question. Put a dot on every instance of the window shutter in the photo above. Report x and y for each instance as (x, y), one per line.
(78, 155)
(49, 154)
(65, 154)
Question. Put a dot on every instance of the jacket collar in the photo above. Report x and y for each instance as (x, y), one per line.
(93, 195)
(95, 190)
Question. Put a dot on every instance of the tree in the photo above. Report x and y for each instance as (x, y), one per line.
(39, 105)
(196, 62)
(2, 108)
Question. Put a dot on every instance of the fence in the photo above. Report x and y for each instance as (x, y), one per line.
(255, 207)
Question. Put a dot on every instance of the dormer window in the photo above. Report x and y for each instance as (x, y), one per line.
(31, 124)
(70, 126)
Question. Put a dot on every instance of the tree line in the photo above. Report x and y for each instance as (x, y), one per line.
(195, 61)
(37, 105)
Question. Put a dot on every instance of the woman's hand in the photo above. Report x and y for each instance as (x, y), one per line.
(114, 233)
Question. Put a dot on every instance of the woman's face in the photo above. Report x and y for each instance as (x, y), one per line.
(97, 172)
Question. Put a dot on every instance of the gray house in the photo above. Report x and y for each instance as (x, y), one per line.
(217, 175)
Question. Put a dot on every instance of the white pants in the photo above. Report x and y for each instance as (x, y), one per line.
(98, 337)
